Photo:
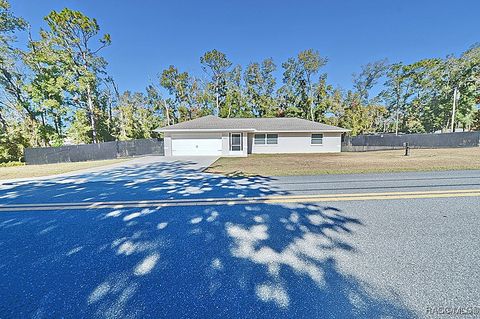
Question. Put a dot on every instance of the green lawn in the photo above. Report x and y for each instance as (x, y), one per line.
(25, 171)
(349, 162)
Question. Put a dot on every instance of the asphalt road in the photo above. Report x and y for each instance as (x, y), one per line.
(290, 253)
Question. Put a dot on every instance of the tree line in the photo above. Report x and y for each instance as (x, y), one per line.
(57, 90)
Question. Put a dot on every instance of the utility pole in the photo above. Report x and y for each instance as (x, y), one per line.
(455, 93)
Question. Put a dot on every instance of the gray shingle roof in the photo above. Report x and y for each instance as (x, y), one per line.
(273, 124)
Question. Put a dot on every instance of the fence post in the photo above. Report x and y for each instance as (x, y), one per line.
(117, 146)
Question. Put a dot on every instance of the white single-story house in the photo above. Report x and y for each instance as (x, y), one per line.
(214, 136)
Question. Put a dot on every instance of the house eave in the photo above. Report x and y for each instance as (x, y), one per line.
(302, 131)
(248, 130)
(202, 130)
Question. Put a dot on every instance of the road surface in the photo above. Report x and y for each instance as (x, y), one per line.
(193, 245)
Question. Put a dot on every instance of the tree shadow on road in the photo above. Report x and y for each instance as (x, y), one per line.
(229, 261)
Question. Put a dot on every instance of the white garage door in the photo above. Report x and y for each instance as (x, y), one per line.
(202, 145)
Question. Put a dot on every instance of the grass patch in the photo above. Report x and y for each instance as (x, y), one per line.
(11, 164)
(349, 162)
(25, 171)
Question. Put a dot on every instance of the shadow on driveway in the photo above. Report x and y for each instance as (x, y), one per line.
(161, 180)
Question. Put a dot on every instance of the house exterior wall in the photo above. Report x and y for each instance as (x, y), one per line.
(288, 142)
(225, 143)
(245, 142)
(300, 143)
(167, 139)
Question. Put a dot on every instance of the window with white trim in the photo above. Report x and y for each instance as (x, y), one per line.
(270, 139)
(317, 139)
(259, 139)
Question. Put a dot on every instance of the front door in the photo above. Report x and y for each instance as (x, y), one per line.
(249, 143)
(236, 142)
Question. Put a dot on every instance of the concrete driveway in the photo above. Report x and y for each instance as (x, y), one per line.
(141, 168)
(150, 167)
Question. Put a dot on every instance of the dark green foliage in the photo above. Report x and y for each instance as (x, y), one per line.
(12, 143)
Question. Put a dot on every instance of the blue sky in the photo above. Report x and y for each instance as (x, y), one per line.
(148, 36)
